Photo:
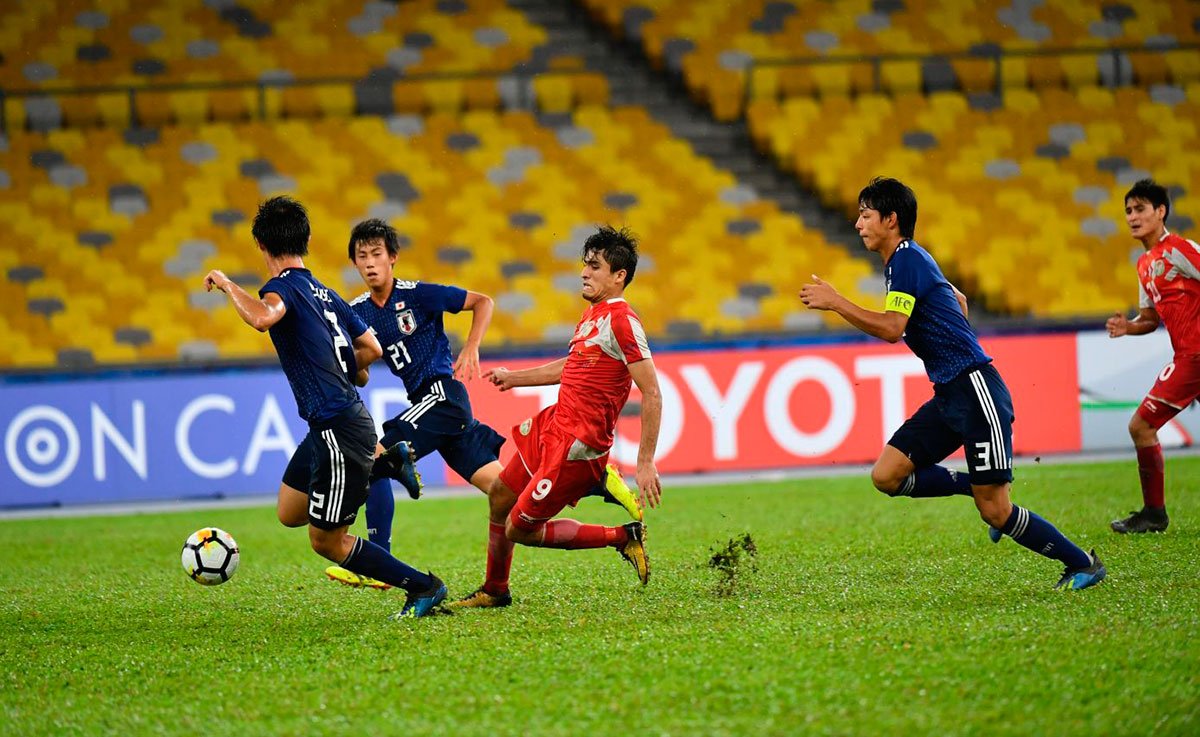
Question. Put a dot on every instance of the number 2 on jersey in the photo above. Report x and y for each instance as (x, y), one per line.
(394, 351)
(339, 339)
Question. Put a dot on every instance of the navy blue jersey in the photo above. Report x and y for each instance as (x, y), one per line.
(938, 331)
(409, 327)
(314, 342)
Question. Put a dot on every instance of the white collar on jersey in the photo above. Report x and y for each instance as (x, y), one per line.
(614, 299)
(1164, 235)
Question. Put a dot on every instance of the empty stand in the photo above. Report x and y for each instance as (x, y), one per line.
(120, 226)
(1022, 201)
(714, 43)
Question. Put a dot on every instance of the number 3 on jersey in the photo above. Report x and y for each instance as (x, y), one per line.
(394, 350)
(339, 339)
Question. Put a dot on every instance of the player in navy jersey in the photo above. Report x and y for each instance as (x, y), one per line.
(321, 343)
(407, 318)
(971, 405)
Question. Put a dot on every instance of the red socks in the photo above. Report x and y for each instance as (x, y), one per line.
(499, 560)
(572, 535)
(1150, 469)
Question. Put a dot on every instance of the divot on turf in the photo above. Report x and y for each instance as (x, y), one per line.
(730, 561)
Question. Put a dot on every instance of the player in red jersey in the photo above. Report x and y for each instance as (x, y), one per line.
(1169, 292)
(562, 451)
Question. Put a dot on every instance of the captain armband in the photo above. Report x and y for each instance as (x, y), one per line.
(899, 302)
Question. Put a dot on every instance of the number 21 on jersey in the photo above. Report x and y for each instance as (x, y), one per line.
(394, 351)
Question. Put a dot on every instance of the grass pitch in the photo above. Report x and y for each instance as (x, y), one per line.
(865, 615)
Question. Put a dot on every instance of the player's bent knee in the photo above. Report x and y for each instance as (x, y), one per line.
(519, 536)
(1142, 432)
(501, 500)
(885, 480)
(322, 547)
(288, 520)
(520, 531)
(328, 544)
(994, 512)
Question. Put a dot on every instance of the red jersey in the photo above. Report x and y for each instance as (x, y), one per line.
(595, 380)
(1169, 281)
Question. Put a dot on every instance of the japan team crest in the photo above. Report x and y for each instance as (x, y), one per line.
(405, 320)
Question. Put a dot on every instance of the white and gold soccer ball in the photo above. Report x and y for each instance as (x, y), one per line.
(210, 556)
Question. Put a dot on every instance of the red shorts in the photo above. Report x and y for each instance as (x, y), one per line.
(550, 470)
(1178, 386)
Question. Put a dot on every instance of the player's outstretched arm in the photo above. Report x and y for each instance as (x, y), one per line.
(888, 325)
(1147, 321)
(646, 378)
(466, 366)
(544, 375)
(259, 314)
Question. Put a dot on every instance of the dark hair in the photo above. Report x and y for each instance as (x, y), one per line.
(889, 195)
(281, 227)
(1152, 192)
(618, 247)
(374, 230)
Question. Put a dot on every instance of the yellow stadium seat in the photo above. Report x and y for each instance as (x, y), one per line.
(901, 76)
(797, 81)
(408, 97)
(299, 101)
(591, 89)
(189, 107)
(1046, 71)
(80, 110)
(1184, 66)
(481, 94)
(115, 109)
(553, 93)
(152, 108)
(444, 95)
(233, 104)
(975, 75)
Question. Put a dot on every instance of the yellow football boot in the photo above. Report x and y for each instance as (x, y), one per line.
(614, 486)
(350, 578)
(634, 550)
(481, 599)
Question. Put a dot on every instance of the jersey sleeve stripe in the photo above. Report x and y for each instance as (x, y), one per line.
(639, 335)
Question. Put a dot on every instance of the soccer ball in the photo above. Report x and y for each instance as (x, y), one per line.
(210, 556)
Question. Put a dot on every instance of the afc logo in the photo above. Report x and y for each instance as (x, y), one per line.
(405, 320)
(901, 302)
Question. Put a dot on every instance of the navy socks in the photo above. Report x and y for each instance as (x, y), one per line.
(380, 507)
(368, 559)
(1031, 531)
(934, 481)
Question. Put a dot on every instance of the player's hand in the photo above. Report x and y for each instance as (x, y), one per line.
(649, 485)
(500, 377)
(215, 279)
(818, 295)
(466, 366)
(1117, 325)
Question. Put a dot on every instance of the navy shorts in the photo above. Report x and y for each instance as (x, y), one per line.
(441, 420)
(974, 411)
(332, 465)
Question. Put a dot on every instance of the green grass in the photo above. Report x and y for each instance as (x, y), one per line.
(866, 615)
